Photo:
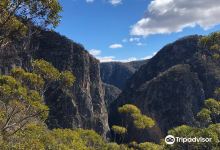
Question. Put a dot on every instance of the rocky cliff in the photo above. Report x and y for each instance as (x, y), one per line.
(111, 93)
(83, 106)
(118, 73)
(170, 88)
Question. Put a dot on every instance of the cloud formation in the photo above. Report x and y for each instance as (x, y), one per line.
(167, 16)
(134, 39)
(114, 46)
(112, 59)
(95, 52)
(106, 58)
(89, 1)
(115, 2)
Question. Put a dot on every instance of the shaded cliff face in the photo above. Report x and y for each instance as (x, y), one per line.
(83, 106)
(118, 73)
(12, 56)
(111, 93)
(171, 87)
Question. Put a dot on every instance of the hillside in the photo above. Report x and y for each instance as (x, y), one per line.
(84, 106)
(171, 87)
(117, 73)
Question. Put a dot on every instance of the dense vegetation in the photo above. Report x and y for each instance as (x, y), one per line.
(22, 102)
(23, 113)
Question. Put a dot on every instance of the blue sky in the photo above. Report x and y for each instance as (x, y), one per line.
(125, 30)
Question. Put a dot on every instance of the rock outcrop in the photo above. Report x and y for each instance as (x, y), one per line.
(111, 93)
(118, 73)
(170, 88)
(83, 106)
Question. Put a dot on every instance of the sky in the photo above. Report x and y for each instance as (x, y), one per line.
(128, 30)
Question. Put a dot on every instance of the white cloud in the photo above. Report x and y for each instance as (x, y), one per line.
(140, 44)
(114, 46)
(134, 39)
(124, 40)
(89, 1)
(112, 59)
(115, 2)
(95, 52)
(106, 59)
(130, 59)
(167, 16)
(149, 57)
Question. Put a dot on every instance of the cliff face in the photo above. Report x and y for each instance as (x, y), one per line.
(12, 56)
(170, 88)
(118, 73)
(83, 106)
(111, 93)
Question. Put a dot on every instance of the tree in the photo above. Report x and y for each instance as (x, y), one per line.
(132, 118)
(18, 16)
(22, 95)
(211, 43)
(91, 139)
(118, 130)
(149, 146)
(127, 111)
(131, 112)
(209, 128)
(142, 121)
(211, 131)
(210, 113)
(204, 116)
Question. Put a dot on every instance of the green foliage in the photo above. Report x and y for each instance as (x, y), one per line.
(92, 139)
(19, 104)
(213, 106)
(129, 109)
(30, 80)
(119, 130)
(46, 70)
(149, 146)
(211, 42)
(131, 117)
(204, 116)
(207, 115)
(210, 113)
(139, 120)
(145, 146)
(17, 17)
(216, 56)
(22, 95)
(36, 136)
(191, 132)
(215, 47)
(115, 146)
(67, 78)
(40, 12)
(142, 121)
(50, 74)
